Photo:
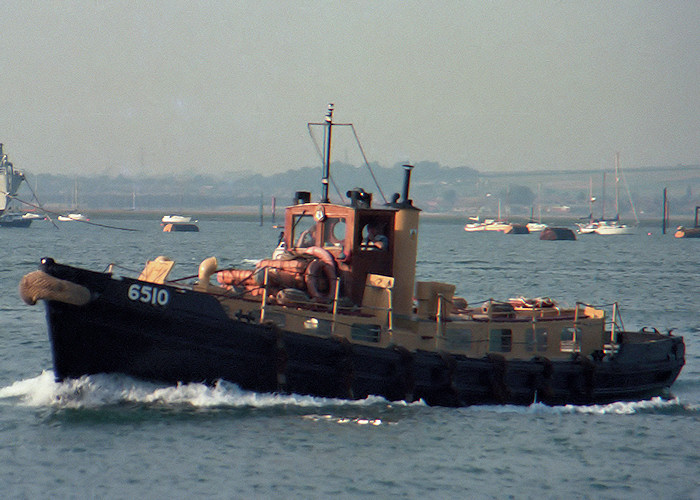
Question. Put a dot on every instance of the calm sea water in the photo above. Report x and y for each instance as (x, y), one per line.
(111, 436)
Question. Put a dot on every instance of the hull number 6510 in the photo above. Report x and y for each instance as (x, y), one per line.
(149, 294)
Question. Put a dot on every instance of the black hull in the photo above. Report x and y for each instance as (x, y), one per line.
(191, 339)
(557, 233)
(11, 222)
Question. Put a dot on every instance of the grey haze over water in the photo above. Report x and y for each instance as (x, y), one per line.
(118, 87)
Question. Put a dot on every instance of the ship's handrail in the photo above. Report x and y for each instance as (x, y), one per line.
(615, 319)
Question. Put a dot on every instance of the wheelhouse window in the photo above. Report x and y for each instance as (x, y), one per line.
(374, 236)
(304, 233)
(334, 232)
(375, 232)
(569, 341)
(536, 339)
(541, 339)
(500, 340)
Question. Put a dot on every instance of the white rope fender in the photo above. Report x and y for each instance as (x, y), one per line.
(38, 285)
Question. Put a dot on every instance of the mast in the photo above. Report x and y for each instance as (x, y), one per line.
(260, 212)
(327, 155)
(665, 214)
(617, 185)
(603, 210)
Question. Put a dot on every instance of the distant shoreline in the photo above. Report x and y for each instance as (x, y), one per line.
(253, 215)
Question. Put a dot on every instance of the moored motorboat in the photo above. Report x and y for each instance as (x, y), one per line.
(497, 225)
(487, 225)
(176, 219)
(536, 227)
(176, 227)
(73, 217)
(33, 216)
(614, 228)
(179, 223)
(689, 232)
(13, 219)
(587, 227)
(472, 227)
(332, 314)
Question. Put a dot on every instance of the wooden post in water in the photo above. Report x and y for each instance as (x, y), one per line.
(664, 224)
(261, 209)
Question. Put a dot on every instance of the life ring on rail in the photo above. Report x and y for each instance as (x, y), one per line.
(321, 269)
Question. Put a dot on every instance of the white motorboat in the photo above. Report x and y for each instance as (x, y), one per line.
(175, 219)
(73, 217)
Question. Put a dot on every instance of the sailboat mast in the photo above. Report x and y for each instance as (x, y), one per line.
(617, 185)
(327, 155)
(603, 209)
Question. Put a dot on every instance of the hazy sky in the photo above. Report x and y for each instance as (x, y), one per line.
(116, 86)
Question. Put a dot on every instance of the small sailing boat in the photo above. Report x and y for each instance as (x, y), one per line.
(614, 226)
(74, 216)
(497, 224)
(535, 226)
(592, 224)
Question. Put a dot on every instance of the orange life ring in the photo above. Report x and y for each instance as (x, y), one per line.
(321, 269)
(322, 254)
(320, 280)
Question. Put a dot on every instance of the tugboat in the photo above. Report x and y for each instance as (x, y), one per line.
(332, 313)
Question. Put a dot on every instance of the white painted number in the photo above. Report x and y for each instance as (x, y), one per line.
(149, 294)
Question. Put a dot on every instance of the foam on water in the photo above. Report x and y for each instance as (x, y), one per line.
(346, 420)
(110, 389)
(95, 391)
(617, 408)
